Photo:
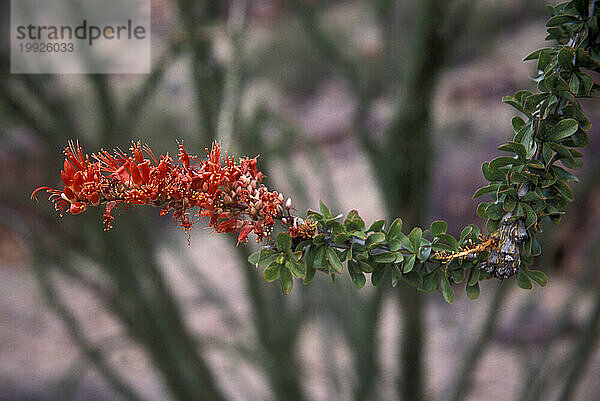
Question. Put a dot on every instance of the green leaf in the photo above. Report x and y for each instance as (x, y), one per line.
(525, 176)
(320, 261)
(492, 225)
(358, 234)
(531, 196)
(280, 258)
(353, 222)
(508, 191)
(447, 290)
(486, 190)
(325, 210)
(266, 257)
(574, 164)
(365, 267)
(394, 244)
(271, 273)
(473, 291)
(358, 280)
(519, 211)
(538, 276)
(526, 138)
(458, 276)
(503, 161)
(438, 227)
(431, 281)
(564, 175)
(374, 239)
(547, 153)
(563, 129)
(561, 19)
(509, 204)
(563, 151)
(409, 263)
(310, 267)
(341, 238)
(523, 281)
(564, 190)
(253, 258)
(298, 269)
(474, 276)
(333, 224)
(404, 241)
(544, 58)
(531, 216)
(386, 257)
(513, 102)
(377, 275)
(450, 240)
(357, 277)
(494, 211)
(395, 228)
(396, 275)
(481, 210)
(319, 239)
(284, 242)
(377, 226)
(414, 279)
(514, 147)
(286, 280)
(438, 246)
(465, 234)
(517, 123)
(535, 165)
(334, 260)
(309, 255)
(587, 84)
(585, 60)
(574, 84)
(491, 174)
(533, 101)
(565, 58)
(533, 56)
(415, 238)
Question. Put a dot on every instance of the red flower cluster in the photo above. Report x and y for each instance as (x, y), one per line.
(230, 194)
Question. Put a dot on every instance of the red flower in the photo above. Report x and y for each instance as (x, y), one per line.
(230, 194)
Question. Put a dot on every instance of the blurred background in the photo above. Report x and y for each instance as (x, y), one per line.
(387, 107)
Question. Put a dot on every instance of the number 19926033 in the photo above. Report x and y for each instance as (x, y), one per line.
(43, 47)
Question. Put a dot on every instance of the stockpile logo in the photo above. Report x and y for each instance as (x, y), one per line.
(80, 36)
